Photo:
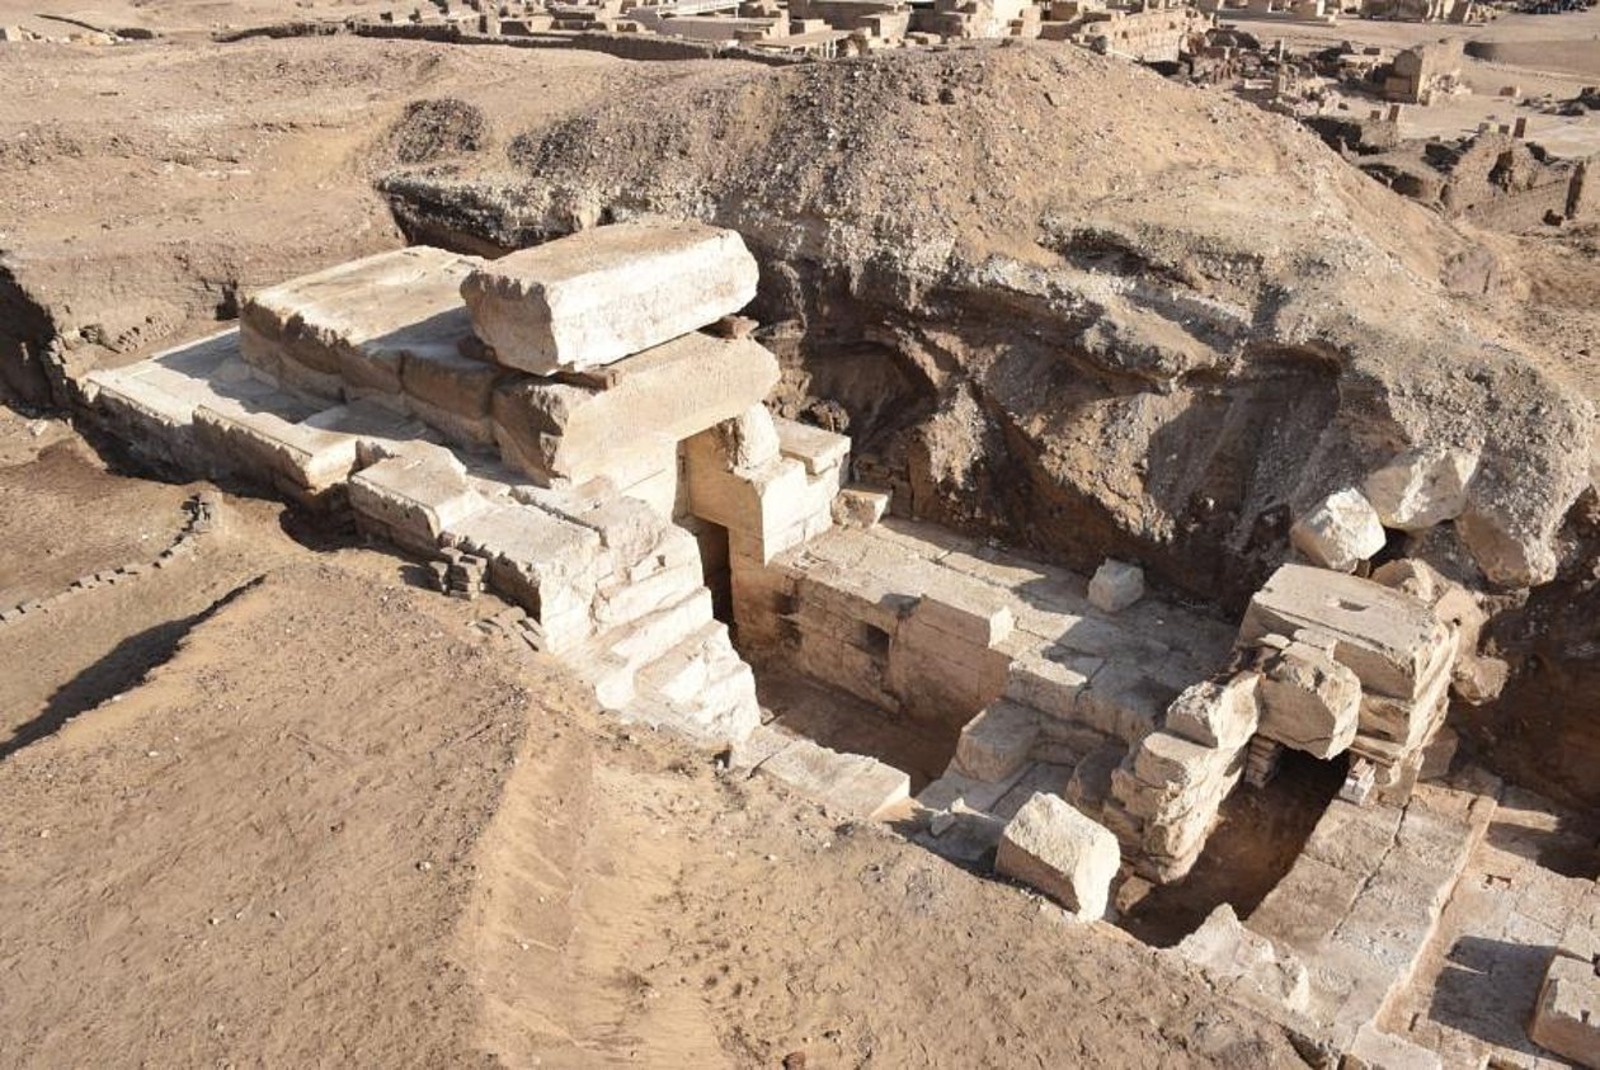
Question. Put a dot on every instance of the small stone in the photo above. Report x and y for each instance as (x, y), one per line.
(1116, 586)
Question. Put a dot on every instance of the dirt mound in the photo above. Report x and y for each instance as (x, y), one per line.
(1088, 327)
(431, 129)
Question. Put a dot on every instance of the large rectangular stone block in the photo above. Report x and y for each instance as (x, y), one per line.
(1056, 849)
(413, 499)
(603, 294)
(1388, 637)
(555, 430)
(358, 321)
(302, 461)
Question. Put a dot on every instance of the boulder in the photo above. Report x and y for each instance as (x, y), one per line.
(603, 294)
(1340, 532)
(1421, 487)
(1056, 849)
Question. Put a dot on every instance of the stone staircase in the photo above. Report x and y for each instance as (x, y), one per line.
(615, 589)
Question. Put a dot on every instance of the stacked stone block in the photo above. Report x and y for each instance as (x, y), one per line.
(1347, 632)
(339, 387)
(1166, 796)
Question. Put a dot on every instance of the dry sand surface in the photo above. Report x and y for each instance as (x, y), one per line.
(304, 813)
(274, 803)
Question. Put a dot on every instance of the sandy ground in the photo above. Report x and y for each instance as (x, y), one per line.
(292, 810)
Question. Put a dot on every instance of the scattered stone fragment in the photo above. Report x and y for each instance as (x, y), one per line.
(1116, 586)
(1340, 532)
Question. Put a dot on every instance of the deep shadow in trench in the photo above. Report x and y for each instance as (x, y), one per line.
(1261, 833)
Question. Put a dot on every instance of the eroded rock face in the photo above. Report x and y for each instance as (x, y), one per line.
(1159, 338)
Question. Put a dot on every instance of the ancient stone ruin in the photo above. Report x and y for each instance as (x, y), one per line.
(579, 427)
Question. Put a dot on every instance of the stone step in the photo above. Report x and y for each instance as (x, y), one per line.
(151, 405)
(851, 785)
(701, 688)
(612, 661)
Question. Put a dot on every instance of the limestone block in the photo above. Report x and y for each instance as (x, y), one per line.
(300, 460)
(358, 321)
(1506, 547)
(817, 449)
(1309, 701)
(1389, 638)
(414, 498)
(766, 509)
(654, 400)
(1567, 1016)
(701, 689)
(1116, 586)
(1235, 957)
(1407, 721)
(445, 381)
(546, 564)
(858, 507)
(799, 531)
(1164, 760)
(1049, 680)
(1339, 532)
(749, 439)
(956, 792)
(617, 656)
(595, 297)
(844, 665)
(836, 590)
(1123, 700)
(1421, 487)
(996, 743)
(631, 532)
(1056, 849)
(379, 431)
(1373, 1049)
(1217, 714)
(621, 599)
(153, 402)
(1090, 784)
(941, 677)
(848, 784)
(984, 621)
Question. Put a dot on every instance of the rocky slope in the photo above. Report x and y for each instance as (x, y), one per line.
(1059, 299)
